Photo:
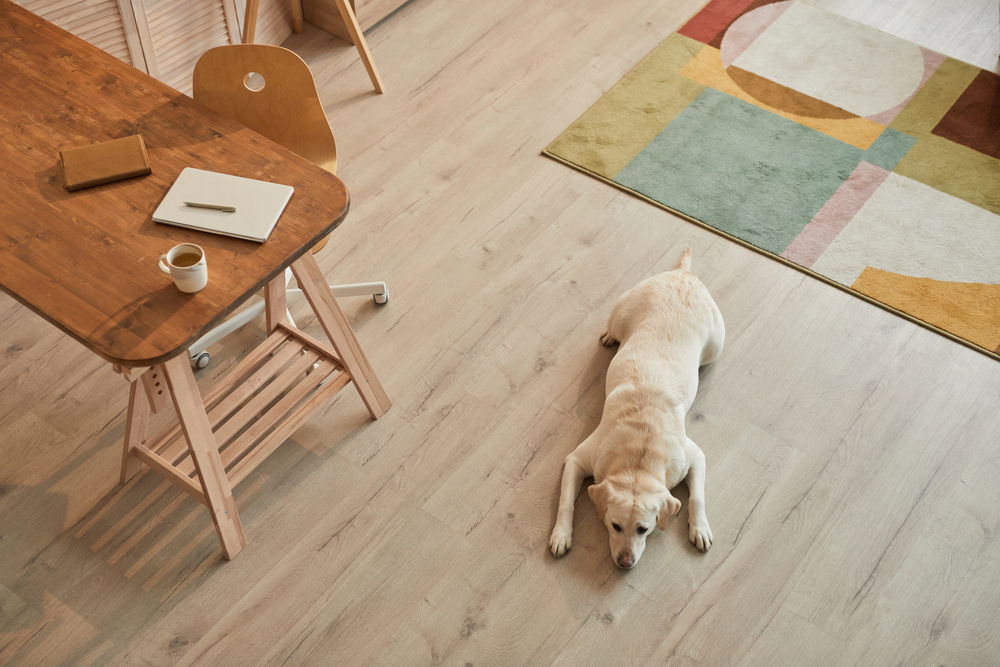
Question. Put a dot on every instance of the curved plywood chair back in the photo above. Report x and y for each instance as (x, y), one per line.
(270, 90)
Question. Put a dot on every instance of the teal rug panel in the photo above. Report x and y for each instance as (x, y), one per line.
(746, 171)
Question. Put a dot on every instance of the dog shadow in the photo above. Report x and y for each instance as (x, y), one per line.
(588, 562)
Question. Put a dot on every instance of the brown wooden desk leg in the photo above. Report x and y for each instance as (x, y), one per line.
(335, 324)
(275, 308)
(135, 429)
(205, 454)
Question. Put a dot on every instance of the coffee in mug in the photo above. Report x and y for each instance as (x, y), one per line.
(185, 260)
(185, 263)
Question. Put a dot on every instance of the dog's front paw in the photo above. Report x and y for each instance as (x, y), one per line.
(607, 340)
(700, 535)
(561, 541)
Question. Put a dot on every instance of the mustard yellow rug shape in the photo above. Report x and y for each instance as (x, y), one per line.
(969, 310)
(866, 160)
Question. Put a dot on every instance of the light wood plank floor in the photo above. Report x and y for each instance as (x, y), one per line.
(853, 458)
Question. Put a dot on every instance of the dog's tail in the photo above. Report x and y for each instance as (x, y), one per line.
(685, 262)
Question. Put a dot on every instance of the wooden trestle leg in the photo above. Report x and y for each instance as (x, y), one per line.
(147, 391)
(334, 322)
(205, 454)
(275, 308)
(136, 425)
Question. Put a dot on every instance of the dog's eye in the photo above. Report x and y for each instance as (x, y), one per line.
(617, 528)
(641, 530)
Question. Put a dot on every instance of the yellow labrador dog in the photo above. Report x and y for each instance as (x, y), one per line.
(668, 326)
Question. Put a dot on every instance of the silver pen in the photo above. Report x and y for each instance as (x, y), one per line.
(214, 207)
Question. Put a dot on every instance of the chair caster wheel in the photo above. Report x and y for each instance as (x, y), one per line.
(383, 298)
(201, 361)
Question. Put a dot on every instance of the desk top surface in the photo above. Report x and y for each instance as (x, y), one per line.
(87, 260)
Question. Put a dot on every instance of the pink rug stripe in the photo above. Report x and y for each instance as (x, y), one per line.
(835, 215)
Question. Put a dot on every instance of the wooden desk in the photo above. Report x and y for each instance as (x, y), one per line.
(86, 261)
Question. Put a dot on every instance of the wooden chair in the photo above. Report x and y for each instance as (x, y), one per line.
(270, 90)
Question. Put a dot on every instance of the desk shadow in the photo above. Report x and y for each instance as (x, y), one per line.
(41, 564)
(170, 125)
(138, 320)
(164, 126)
(588, 562)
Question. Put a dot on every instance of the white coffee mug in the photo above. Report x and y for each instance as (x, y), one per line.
(185, 263)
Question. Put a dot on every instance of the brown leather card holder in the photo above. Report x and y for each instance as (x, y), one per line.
(104, 162)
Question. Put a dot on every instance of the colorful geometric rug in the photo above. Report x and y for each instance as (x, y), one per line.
(866, 160)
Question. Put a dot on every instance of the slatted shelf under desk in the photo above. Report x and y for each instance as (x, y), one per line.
(253, 409)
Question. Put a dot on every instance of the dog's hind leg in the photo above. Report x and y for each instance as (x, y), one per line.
(716, 338)
(621, 314)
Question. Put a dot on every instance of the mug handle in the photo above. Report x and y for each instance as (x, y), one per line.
(163, 264)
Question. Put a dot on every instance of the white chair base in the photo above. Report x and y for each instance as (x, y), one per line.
(200, 358)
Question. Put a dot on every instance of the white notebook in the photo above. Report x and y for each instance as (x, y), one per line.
(258, 204)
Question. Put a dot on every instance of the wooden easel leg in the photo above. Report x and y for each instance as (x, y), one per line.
(336, 326)
(205, 454)
(351, 21)
(250, 22)
(135, 429)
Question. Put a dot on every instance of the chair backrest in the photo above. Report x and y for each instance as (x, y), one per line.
(286, 109)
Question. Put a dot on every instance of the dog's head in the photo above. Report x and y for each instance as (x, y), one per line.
(631, 509)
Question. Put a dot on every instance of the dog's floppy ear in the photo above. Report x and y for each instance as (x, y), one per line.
(600, 494)
(669, 507)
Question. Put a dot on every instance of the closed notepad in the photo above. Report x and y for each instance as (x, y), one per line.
(104, 162)
(256, 205)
